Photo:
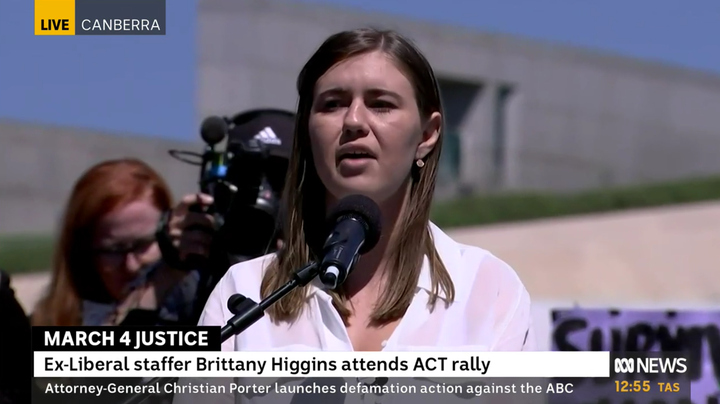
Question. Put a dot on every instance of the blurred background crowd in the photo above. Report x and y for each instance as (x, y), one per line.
(593, 172)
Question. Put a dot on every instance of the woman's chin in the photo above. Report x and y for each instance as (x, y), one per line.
(373, 192)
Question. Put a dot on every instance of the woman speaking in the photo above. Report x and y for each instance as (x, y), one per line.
(370, 122)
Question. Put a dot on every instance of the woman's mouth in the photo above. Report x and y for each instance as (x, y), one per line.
(354, 163)
(355, 156)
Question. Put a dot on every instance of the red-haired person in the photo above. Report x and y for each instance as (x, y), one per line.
(107, 262)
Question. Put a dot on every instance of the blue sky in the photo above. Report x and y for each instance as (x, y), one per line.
(146, 85)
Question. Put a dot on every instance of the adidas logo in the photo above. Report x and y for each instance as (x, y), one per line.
(268, 136)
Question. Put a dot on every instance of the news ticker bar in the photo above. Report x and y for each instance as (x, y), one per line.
(332, 390)
(100, 17)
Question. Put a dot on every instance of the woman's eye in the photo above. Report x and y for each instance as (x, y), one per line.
(330, 104)
(381, 105)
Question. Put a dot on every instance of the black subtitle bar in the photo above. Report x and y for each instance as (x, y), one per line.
(126, 338)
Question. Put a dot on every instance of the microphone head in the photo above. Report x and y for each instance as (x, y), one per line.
(213, 130)
(366, 211)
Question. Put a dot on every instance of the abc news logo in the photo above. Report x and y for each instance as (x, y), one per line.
(651, 365)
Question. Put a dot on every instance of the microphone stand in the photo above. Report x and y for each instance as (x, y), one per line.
(245, 313)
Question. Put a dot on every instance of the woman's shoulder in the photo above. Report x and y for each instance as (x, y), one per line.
(488, 288)
(245, 277)
(474, 266)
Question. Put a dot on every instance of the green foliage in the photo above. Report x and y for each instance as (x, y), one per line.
(478, 210)
(25, 253)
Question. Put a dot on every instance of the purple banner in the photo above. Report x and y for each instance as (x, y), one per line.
(695, 333)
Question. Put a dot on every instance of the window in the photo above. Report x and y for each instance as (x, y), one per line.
(449, 168)
(457, 98)
(503, 96)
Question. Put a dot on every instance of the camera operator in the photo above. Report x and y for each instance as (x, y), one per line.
(125, 253)
(239, 220)
(127, 256)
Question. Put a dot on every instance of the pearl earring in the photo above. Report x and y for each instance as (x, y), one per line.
(420, 163)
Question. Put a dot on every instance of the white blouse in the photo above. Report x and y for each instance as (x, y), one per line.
(490, 312)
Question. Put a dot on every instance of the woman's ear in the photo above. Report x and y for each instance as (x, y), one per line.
(431, 134)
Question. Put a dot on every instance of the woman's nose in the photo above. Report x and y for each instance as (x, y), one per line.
(355, 122)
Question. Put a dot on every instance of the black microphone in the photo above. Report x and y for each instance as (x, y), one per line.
(213, 130)
(356, 226)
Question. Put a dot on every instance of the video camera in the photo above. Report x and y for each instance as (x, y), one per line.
(245, 177)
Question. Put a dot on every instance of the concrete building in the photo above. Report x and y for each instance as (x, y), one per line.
(520, 114)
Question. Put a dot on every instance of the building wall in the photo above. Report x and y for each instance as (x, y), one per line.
(40, 164)
(570, 118)
(529, 115)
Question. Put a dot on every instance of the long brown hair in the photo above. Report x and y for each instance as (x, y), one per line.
(105, 187)
(303, 214)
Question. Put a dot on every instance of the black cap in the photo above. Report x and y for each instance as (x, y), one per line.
(274, 127)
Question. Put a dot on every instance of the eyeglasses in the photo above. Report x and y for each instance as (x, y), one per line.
(121, 250)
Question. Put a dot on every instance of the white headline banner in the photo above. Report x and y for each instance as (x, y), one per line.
(322, 364)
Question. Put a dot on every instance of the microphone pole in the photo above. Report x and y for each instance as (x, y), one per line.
(246, 312)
